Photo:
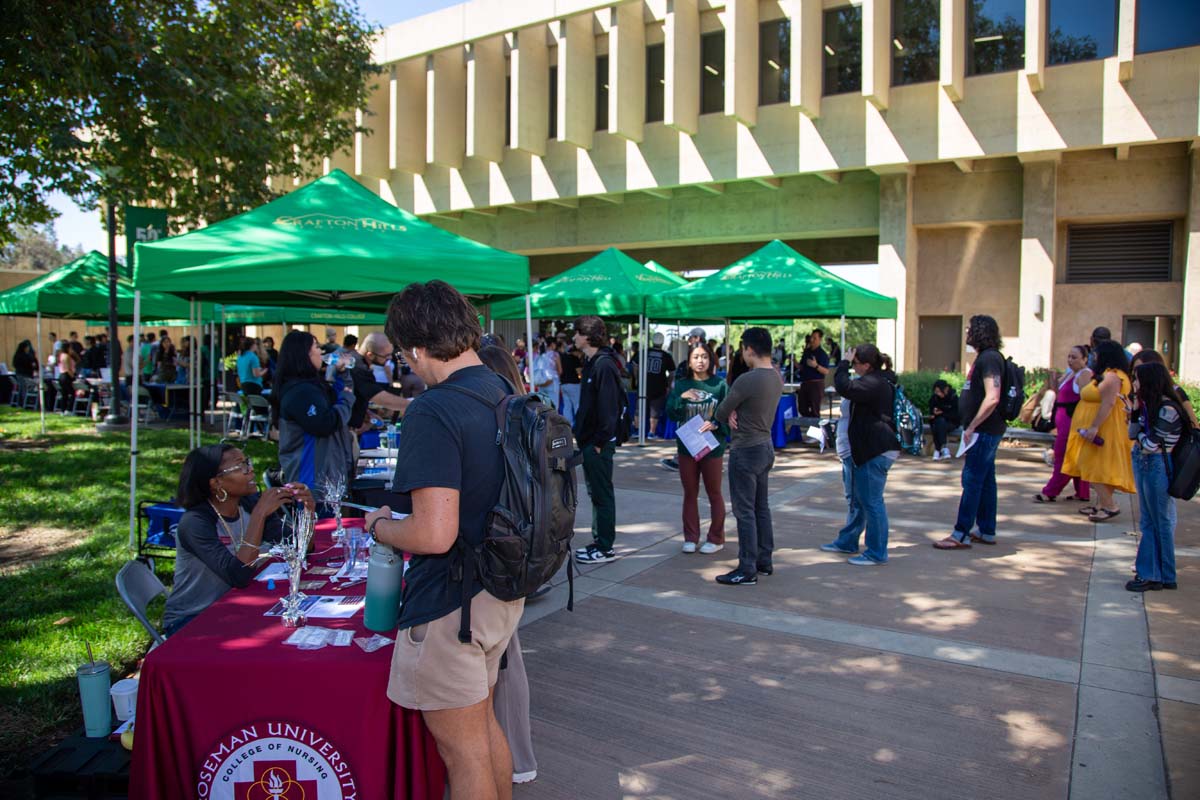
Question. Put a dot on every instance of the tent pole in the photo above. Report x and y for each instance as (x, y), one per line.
(728, 348)
(221, 349)
(843, 333)
(41, 381)
(529, 340)
(643, 335)
(133, 417)
(212, 377)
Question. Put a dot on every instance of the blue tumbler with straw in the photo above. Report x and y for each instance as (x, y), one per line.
(95, 680)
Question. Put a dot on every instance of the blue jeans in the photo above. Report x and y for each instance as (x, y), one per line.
(1156, 550)
(749, 468)
(867, 509)
(978, 502)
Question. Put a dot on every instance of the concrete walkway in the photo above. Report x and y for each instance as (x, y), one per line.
(1020, 670)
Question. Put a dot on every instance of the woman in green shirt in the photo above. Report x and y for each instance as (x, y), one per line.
(699, 394)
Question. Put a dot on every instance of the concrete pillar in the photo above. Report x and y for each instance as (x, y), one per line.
(1032, 343)
(952, 51)
(1126, 38)
(627, 72)
(371, 149)
(485, 99)
(446, 104)
(577, 80)
(877, 51)
(530, 90)
(741, 60)
(1189, 344)
(1035, 43)
(406, 118)
(898, 268)
(807, 67)
(682, 66)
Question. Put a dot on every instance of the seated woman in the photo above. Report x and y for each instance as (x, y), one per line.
(218, 489)
(943, 407)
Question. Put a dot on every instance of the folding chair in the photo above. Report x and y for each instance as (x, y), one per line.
(235, 416)
(103, 400)
(137, 586)
(146, 404)
(14, 399)
(82, 400)
(258, 419)
(61, 400)
(29, 394)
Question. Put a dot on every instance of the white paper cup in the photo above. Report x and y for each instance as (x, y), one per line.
(124, 697)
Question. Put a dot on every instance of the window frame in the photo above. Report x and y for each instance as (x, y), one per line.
(717, 35)
(661, 89)
(825, 54)
(785, 63)
(969, 45)
(602, 90)
(895, 56)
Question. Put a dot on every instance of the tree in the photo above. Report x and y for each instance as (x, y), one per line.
(187, 104)
(36, 248)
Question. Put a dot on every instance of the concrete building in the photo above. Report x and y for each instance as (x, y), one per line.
(1030, 159)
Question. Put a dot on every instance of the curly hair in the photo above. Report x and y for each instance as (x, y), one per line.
(983, 333)
(1109, 355)
(593, 328)
(434, 316)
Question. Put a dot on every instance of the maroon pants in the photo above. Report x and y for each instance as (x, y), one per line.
(690, 472)
(811, 393)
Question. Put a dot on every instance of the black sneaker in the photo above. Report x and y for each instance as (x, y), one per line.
(594, 555)
(1139, 585)
(766, 570)
(737, 578)
(1170, 585)
(670, 463)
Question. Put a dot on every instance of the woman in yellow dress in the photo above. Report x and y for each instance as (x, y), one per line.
(1098, 450)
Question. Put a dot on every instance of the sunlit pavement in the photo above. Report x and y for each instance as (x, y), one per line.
(1019, 670)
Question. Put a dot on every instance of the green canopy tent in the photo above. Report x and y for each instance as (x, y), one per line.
(79, 290)
(609, 284)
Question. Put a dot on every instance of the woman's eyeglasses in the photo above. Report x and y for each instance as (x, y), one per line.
(245, 467)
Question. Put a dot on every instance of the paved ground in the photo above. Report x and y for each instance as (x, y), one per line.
(1020, 670)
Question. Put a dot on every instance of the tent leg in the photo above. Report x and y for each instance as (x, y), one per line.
(843, 333)
(728, 349)
(528, 340)
(643, 335)
(40, 379)
(221, 349)
(133, 418)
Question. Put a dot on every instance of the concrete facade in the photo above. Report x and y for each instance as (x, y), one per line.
(968, 183)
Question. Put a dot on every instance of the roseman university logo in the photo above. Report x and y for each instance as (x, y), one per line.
(275, 761)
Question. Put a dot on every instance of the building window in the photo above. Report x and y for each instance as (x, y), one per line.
(712, 72)
(656, 82)
(1080, 30)
(552, 130)
(1122, 253)
(774, 62)
(915, 41)
(843, 50)
(1167, 24)
(995, 36)
(601, 93)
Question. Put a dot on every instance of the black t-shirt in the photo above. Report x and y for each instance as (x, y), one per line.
(570, 363)
(449, 441)
(365, 388)
(989, 364)
(659, 365)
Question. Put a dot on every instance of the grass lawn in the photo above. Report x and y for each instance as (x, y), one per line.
(64, 533)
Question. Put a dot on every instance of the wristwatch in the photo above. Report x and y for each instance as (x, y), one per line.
(371, 530)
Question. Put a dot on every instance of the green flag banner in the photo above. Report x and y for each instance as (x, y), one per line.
(142, 225)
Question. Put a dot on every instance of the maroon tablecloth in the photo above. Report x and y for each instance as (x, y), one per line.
(226, 710)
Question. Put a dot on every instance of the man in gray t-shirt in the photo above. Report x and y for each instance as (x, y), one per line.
(749, 409)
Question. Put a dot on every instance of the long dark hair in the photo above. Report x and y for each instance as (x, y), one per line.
(737, 366)
(1154, 386)
(1109, 355)
(501, 362)
(712, 360)
(983, 333)
(294, 363)
(200, 467)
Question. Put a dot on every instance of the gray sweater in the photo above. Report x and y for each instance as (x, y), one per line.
(755, 397)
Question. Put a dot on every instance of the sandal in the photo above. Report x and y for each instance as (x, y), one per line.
(1089, 510)
(1041, 498)
(1103, 515)
(950, 543)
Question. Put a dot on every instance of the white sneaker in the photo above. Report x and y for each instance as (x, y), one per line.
(937, 455)
(689, 547)
(708, 548)
(946, 452)
(524, 777)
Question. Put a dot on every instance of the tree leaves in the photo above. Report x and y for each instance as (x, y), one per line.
(178, 103)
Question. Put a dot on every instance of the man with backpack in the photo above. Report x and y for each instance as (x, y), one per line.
(450, 464)
(598, 431)
(982, 412)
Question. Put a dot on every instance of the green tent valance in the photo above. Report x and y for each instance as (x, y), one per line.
(609, 284)
(773, 282)
(331, 243)
(79, 290)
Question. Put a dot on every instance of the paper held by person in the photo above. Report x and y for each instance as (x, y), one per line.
(698, 443)
(964, 445)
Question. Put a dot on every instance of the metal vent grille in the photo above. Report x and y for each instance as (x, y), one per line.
(1133, 252)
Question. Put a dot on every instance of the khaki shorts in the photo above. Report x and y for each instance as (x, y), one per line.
(432, 670)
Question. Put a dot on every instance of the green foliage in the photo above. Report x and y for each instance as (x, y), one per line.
(918, 385)
(36, 248)
(187, 104)
(74, 494)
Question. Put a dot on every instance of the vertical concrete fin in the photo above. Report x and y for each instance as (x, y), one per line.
(530, 90)
(1035, 43)
(485, 99)
(446, 103)
(1031, 342)
(1126, 38)
(682, 66)
(952, 64)
(877, 51)
(807, 67)
(627, 71)
(576, 80)
(741, 61)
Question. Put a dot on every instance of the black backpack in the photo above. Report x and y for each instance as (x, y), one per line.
(1184, 461)
(625, 418)
(529, 531)
(1012, 390)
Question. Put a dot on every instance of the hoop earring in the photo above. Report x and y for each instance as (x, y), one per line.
(224, 496)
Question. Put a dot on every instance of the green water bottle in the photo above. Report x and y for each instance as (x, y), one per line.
(385, 571)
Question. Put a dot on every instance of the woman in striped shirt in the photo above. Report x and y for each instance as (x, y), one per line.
(1156, 422)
